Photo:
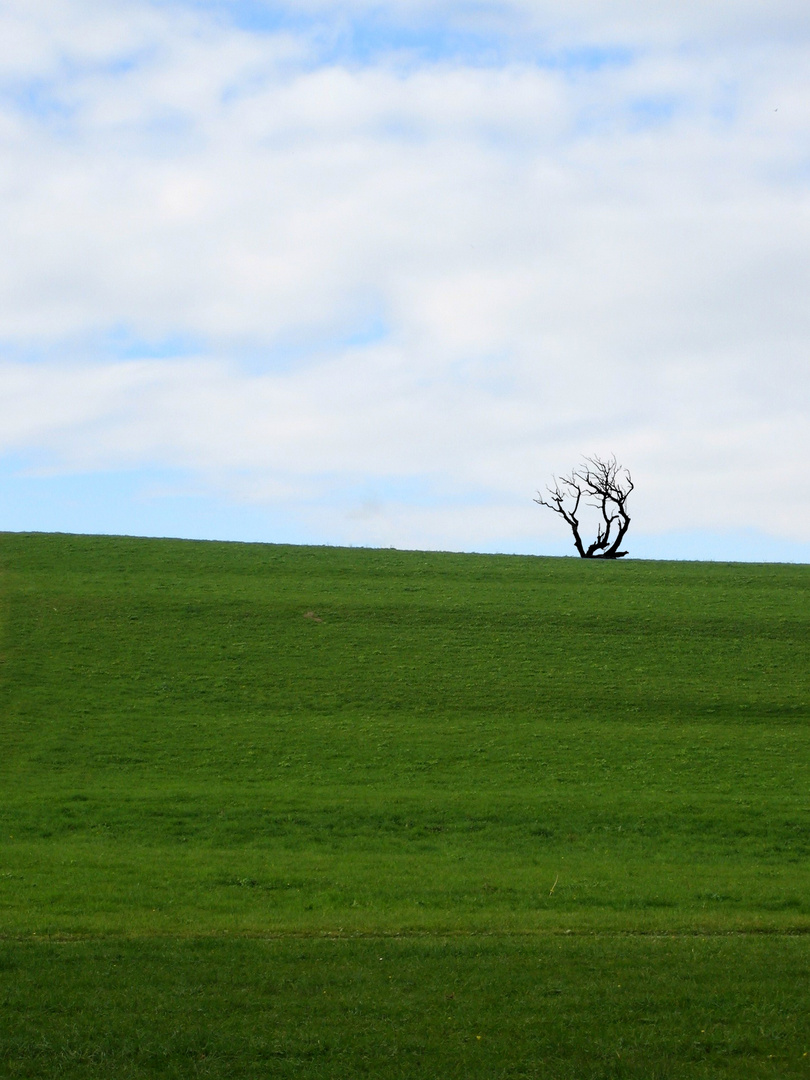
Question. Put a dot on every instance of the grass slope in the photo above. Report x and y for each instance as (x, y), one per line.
(495, 773)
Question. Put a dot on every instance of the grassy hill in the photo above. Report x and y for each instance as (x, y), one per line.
(318, 812)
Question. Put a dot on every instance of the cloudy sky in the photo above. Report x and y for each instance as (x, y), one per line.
(370, 272)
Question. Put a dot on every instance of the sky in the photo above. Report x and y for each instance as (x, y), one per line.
(371, 273)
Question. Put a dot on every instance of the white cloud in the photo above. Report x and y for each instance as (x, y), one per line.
(542, 261)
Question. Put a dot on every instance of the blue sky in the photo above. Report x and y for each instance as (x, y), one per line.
(370, 273)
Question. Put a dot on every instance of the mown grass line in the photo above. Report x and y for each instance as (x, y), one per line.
(408, 935)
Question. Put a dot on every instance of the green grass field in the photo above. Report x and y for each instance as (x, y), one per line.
(480, 816)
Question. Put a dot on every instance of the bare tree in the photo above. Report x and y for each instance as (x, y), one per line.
(604, 485)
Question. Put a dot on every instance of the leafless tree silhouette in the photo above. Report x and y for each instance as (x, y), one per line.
(604, 485)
